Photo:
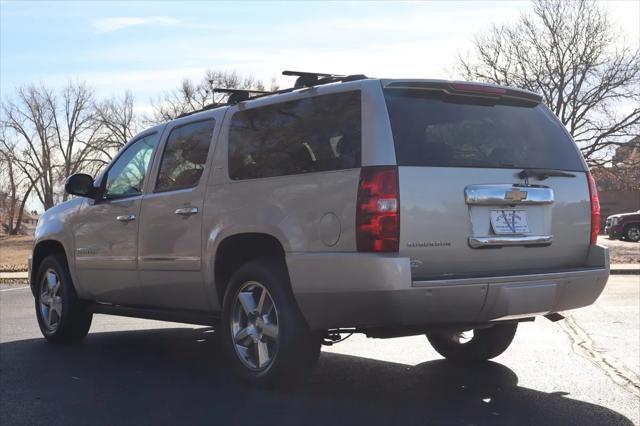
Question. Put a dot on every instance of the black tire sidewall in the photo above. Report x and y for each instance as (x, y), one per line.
(298, 348)
(626, 233)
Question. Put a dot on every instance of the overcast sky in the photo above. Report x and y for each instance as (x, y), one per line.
(149, 47)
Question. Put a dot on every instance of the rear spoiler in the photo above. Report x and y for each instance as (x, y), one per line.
(459, 88)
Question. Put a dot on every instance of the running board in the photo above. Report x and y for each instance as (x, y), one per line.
(171, 315)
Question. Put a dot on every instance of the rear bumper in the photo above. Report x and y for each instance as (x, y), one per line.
(339, 290)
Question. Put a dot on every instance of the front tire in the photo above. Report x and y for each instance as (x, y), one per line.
(62, 316)
(484, 344)
(264, 334)
(632, 233)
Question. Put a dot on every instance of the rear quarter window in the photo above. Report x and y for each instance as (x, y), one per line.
(439, 130)
(314, 134)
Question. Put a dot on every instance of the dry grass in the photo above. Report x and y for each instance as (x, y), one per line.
(621, 251)
(14, 251)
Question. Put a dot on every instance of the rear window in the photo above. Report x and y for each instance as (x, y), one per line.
(436, 129)
(314, 134)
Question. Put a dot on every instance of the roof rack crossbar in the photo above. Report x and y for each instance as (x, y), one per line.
(310, 79)
(239, 95)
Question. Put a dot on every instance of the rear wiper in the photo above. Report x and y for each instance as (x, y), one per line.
(542, 174)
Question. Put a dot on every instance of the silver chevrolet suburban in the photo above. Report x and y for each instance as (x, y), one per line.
(345, 204)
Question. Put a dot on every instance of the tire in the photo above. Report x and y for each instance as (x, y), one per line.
(632, 233)
(62, 316)
(266, 343)
(485, 344)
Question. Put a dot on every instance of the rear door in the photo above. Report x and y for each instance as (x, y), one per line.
(466, 207)
(170, 243)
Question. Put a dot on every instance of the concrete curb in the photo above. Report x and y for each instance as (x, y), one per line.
(624, 270)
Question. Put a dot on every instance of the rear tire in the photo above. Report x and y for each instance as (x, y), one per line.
(62, 316)
(264, 334)
(485, 344)
(632, 233)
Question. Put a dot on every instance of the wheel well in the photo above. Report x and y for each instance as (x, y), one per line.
(238, 249)
(42, 250)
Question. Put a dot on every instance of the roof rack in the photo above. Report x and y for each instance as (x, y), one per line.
(204, 108)
(310, 79)
(239, 95)
(305, 79)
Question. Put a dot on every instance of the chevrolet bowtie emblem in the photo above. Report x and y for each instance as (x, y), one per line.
(515, 195)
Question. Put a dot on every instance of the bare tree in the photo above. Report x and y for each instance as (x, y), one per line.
(31, 120)
(570, 53)
(14, 188)
(55, 135)
(118, 124)
(190, 96)
(76, 129)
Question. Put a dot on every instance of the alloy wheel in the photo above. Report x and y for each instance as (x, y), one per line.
(50, 300)
(254, 326)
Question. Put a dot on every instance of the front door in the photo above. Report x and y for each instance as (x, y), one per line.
(170, 241)
(106, 237)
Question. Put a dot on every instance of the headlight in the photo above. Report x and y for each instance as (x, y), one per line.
(614, 221)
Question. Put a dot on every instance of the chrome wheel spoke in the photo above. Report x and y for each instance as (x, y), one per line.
(242, 336)
(52, 280)
(45, 299)
(263, 354)
(261, 301)
(247, 302)
(56, 306)
(50, 317)
(270, 330)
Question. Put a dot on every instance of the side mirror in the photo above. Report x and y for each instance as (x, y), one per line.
(80, 184)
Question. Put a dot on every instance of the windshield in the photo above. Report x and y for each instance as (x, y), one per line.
(436, 129)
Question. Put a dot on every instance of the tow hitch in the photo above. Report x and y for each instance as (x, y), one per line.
(554, 317)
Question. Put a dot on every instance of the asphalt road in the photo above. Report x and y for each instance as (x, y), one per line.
(582, 371)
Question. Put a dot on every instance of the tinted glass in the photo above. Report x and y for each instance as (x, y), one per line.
(185, 155)
(309, 135)
(126, 177)
(440, 130)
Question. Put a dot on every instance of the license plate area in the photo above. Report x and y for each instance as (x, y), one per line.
(509, 222)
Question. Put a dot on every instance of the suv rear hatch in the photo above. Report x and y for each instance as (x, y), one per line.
(490, 183)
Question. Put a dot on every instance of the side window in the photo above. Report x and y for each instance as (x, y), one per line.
(126, 177)
(185, 155)
(314, 134)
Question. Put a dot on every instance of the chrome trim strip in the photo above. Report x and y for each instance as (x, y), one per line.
(92, 258)
(512, 278)
(478, 242)
(168, 258)
(497, 195)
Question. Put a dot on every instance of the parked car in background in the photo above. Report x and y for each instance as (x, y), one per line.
(345, 204)
(624, 226)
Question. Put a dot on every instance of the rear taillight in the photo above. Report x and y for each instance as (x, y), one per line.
(595, 208)
(378, 210)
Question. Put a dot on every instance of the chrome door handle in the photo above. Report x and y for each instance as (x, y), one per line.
(126, 217)
(186, 211)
